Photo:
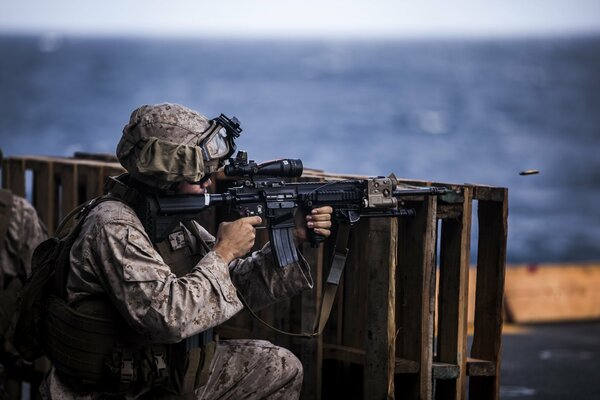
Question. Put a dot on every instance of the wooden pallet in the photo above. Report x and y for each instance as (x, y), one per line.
(384, 338)
(385, 320)
(57, 185)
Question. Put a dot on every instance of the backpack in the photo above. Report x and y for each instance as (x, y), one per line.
(49, 268)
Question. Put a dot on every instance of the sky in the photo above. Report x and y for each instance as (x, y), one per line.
(302, 18)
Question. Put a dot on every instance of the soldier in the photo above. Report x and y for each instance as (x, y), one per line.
(20, 232)
(160, 301)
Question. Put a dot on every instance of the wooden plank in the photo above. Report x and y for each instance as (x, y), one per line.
(551, 292)
(311, 350)
(488, 193)
(380, 321)
(489, 297)
(445, 373)
(13, 176)
(44, 191)
(357, 356)
(446, 211)
(415, 303)
(453, 299)
(477, 367)
(343, 353)
(356, 277)
(90, 184)
(66, 177)
(404, 366)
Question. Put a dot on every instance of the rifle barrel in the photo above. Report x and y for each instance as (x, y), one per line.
(429, 190)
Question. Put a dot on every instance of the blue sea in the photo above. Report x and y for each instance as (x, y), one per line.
(462, 111)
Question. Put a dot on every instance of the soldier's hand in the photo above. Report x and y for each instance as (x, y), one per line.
(319, 219)
(235, 239)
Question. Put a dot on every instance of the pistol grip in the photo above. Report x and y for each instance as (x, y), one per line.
(314, 238)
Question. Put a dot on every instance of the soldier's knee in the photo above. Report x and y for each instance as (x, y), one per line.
(291, 367)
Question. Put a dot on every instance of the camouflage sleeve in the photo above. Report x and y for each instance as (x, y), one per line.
(25, 231)
(35, 233)
(152, 299)
(261, 282)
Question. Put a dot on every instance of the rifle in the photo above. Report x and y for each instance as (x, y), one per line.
(263, 192)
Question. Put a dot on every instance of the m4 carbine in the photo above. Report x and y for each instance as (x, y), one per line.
(264, 193)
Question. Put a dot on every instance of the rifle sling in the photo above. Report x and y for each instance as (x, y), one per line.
(338, 262)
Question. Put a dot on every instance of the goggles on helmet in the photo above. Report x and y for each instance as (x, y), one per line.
(219, 142)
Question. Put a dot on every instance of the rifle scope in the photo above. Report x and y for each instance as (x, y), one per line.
(286, 168)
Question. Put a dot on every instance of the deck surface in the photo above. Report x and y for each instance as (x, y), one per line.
(558, 361)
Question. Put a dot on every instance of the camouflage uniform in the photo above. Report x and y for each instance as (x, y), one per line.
(114, 256)
(25, 232)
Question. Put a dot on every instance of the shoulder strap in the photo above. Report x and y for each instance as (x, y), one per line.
(6, 203)
(121, 191)
(196, 232)
(338, 262)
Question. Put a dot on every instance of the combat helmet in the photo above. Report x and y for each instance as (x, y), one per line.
(164, 144)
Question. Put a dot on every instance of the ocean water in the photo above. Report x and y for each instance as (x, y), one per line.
(476, 111)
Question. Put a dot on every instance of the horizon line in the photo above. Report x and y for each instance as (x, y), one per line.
(439, 35)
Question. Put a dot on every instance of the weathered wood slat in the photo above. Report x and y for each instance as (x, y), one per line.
(380, 322)
(415, 302)
(13, 175)
(404, 366)
(477, 367)
(343, 353)
(488, 193)
(311, 350)
(66, 178)
(44, 191)
(453, 299)
(357, 356)
(491, 261)
(445, 373)
(446, 211)
(90, 183)
(356, 275)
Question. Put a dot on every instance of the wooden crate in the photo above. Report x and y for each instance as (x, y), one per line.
(389, 335)
(384, 338)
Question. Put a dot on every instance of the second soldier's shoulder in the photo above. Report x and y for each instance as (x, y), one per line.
(20, 203)
(24, 210)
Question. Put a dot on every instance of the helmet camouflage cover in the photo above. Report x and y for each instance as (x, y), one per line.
(160, 145)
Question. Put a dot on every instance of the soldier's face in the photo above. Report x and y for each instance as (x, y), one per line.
(190, 188)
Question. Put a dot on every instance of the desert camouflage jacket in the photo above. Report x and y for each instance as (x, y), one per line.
(114, 256)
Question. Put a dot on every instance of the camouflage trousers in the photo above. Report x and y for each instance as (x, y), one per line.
(252, 369)
(240, 369)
